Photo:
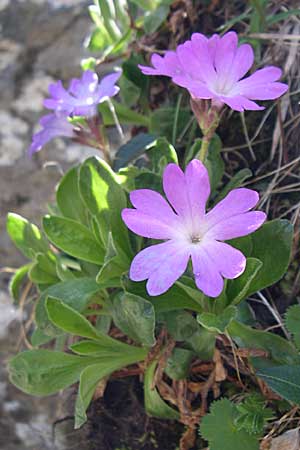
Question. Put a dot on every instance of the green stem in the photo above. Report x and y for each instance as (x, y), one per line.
(204, 149)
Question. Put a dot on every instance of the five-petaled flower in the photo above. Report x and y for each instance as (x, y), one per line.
(190, 232)
(81, 99)
(83, 95)
(212, 68)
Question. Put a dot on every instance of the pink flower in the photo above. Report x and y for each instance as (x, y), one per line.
(212, 69)
(190, 232)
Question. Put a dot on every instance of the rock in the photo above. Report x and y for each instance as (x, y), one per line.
(29, 104)
(10, 64)
(12, 133)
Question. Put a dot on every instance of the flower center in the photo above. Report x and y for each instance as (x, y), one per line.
(195, 239)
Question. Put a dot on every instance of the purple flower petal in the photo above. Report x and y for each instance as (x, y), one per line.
(237, 226)
(83, 94)
(238, 201)
(207, 276)
(161, 264)
(187, 193)
(189, 232)
(53, 126)
(230, 262)
(145, 225)
(212, 69)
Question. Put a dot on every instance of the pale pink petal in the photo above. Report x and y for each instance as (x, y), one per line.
(145, 225)
(175, 188)
(237, 226)
(167, 65)
(225, 53)
(198, 187)
(266, 91)
(162, 264)
(242, 61)
(236, 202)
(187, 193)
(153, 204)
(229, 261)
(202, 51)
(207, 276)
(240, 103)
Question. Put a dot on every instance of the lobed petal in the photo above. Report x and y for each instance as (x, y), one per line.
(107, 88)
(145, 225)
(167, 65)
(229, 261)
(239, 103)
(224, 56)
(207, 276)
(161, 264)
(153, 204)
(242, 61)
(187, 192)
(237, 201)
(237, 226)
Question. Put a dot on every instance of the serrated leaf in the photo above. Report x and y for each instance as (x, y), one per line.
(73, 238)
(219, 429)
(285, 380)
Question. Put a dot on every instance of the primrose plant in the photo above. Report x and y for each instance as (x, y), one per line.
(178, 305)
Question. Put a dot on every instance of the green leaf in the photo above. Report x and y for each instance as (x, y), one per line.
(178, 364)
(154, 404)
(285, 380)
(17, 280)
(113, 268)
(91, 376)
(135, 317)
(125, 115)
(183, 327)
(160, 154)
(26, 236)
(154, 19)
(253, 415)
(73, 238)
(133, 73)
(68, 197)
(43, 270)
(45, 372)
(214, 162)
(217, 322)
(175, 298)
(292, 321)
(104, 196)
(238, 289)
(39, 338)
(280, 349)
(219, 429)
(272, 245)
(69, 320)
(75, 293)
(132, 150)
(162, 121)
(235, 182)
